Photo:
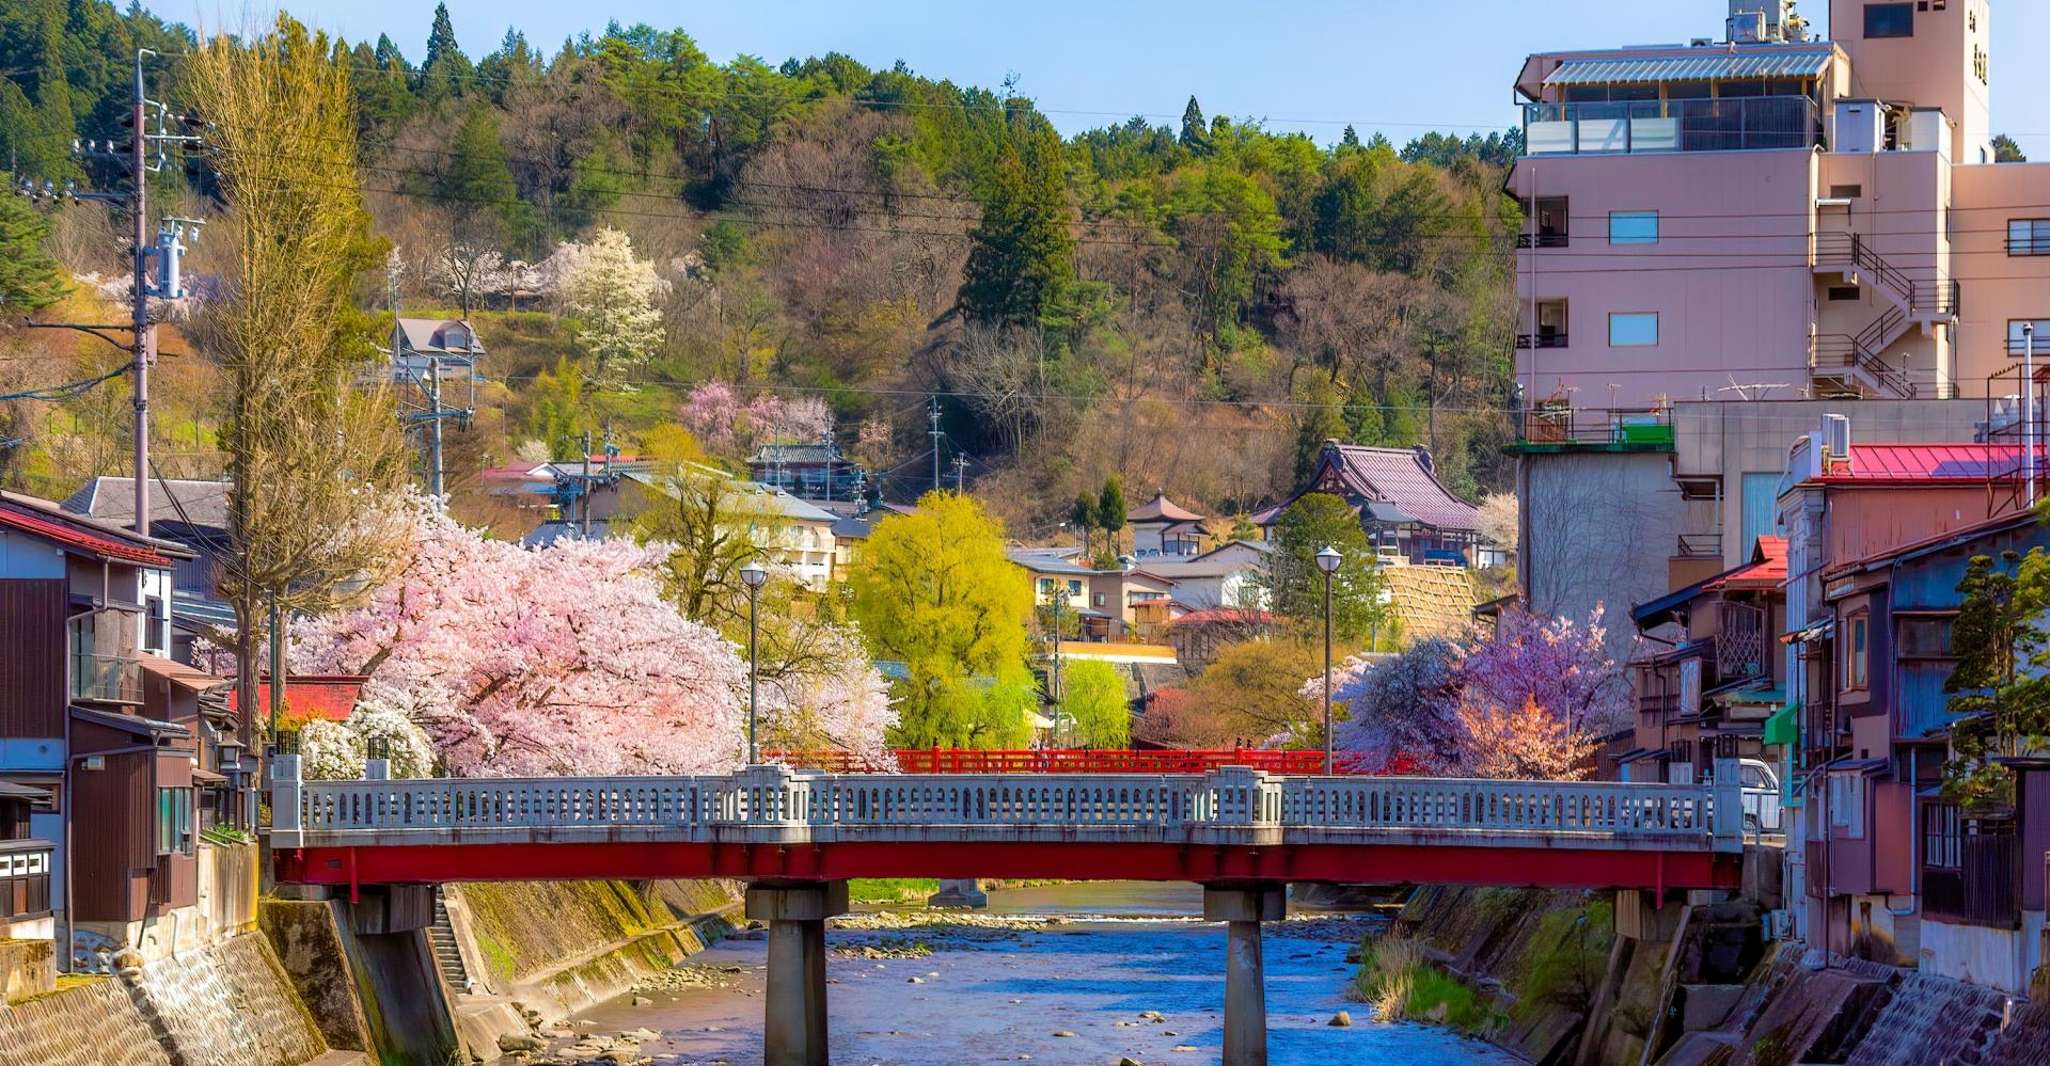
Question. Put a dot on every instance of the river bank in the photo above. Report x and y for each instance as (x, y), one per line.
(1049, 974)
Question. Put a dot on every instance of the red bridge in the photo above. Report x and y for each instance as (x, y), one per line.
(1067, 761)
(798, 835)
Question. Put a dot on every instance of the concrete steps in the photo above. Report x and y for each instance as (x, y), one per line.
(441, 938)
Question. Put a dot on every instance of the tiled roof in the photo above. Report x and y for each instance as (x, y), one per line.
(1402, 476)
(45, 519)
(1766, 570)
(1431, 601)
(112, 499)
(1160, 507)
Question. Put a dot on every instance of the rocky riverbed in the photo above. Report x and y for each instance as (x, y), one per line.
(1071, 974)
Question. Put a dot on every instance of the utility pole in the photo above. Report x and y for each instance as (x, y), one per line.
(584, 489)
(143, 338)
(934, 432)
(827, 440)
(434, 426)
(960, 473)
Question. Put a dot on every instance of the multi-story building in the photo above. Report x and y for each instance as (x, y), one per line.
(1773, 215)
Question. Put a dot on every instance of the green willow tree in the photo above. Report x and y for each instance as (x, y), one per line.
(1094, 696)
(1998, 691)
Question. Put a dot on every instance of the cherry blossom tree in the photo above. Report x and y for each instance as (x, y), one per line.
(831, 697)
(722, 423)
(1558, 663)
(611, 293)
(1527, 743)
(1400, 709)
(531, 662)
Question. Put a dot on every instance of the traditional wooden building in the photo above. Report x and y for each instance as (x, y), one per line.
(1408, 514)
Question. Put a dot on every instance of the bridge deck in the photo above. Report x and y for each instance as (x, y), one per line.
(1233, 823)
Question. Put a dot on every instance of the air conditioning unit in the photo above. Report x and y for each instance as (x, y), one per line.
(1836, 437)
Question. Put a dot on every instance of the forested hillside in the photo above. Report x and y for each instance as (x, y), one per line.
(1191, 307)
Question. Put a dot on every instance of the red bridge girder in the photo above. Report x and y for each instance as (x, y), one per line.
(1392, 864)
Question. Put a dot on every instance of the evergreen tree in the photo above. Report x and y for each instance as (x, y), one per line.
(1195, 135)
(1110, 512)
(1350, 140)
(446, 68)
(478, 184)
(1021, 256)
(1295, 585)
(30, 279)
(36, 114)
(1319, 424)
(2005, 150)
(1082, 515)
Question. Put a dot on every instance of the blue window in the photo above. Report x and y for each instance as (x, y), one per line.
(1635, 329)
(1633, 227)
(1890, 20)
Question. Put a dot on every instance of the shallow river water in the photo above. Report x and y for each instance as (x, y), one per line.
(1059, 975)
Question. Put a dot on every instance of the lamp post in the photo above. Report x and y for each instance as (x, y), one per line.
(753, 576)
(1327, 561)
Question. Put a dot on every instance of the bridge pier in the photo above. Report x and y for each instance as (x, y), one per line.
(794, 1004)
(1242, 908)
(959, 893)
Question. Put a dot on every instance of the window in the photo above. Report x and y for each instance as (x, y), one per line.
(1546, 224)
(1690, 687)
(1761, 509)
(1635, 329)
(1890, 20)
(1846, 192)
(2018, 340)
(1925, 638)
(2028, 236)
(1847, 804)
(1857, 631)
(1942, 829)
(174, 821)
(1840, 293)
(1633, 227)
(156, 626)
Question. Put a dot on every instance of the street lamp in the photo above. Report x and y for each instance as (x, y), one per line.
(1327, 561)
(753, 576)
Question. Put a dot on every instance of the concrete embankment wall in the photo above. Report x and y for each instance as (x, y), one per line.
(1699, 997)
(225, 1004)
(546, 949)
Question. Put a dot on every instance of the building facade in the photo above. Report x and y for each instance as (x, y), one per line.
(1770, 215)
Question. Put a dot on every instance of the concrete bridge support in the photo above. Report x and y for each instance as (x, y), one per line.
(794, 1004)
(1242, 908)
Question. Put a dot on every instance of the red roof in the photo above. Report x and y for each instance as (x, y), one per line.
(1894, 462)
(1766, 570)
(329, 696)
(42, 518)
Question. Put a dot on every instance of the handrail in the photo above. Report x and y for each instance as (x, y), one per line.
(793, 807)
(1938, 298)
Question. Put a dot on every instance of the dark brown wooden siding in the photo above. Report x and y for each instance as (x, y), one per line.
(32, 665)
(2034, 794)
(114, 831)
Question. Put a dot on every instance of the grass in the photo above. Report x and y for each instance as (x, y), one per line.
(874, 890)
(1402, 985)
(1567, 958)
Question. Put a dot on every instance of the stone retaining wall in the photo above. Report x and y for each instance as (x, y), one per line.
(92, 1022)
(230, 1005)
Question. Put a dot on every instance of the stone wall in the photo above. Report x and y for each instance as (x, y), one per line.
(90, 1023)
(230, 1005)
(27, 968)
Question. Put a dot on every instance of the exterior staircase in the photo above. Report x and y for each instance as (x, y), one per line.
(1855, 358)
(441, 939)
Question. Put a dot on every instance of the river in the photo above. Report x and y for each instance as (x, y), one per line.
(1061, 974)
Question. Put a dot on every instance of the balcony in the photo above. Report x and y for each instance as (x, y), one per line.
(1701, 546)
(1543, 240)
(1549, 428)
(1541, 340)
(106, 678)
(1980, 884)
(24, 879)
(1616, 127)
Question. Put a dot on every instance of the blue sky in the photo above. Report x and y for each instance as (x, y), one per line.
(1315, 65)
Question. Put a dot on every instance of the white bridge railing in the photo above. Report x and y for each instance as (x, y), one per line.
(775, 804)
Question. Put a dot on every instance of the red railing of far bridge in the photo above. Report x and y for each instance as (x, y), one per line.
(1069, 761)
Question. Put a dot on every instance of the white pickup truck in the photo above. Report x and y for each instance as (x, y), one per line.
(1760, 782)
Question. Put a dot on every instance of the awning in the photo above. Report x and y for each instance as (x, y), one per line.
(207, 777)
(1715, 65)
(1387, 513)
(1810, 633)
(1784, 727)
(10, 790)
(1640, 754)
